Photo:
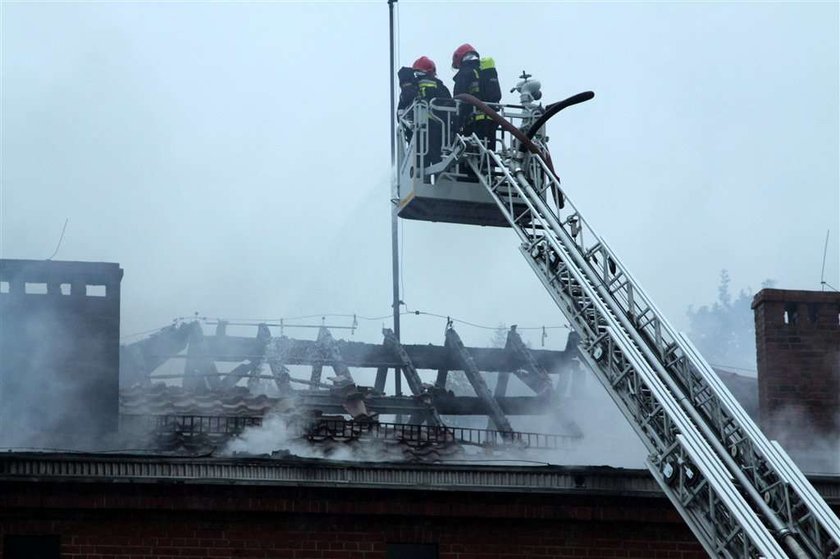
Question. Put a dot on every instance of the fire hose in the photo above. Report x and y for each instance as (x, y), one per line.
(526, 139)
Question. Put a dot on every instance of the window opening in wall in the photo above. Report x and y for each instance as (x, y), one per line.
(813, 309)
(35, 288)
(4, 287)
(411, 551)
(31, 547)
(95, 290)
(65, 289)
(790, 313)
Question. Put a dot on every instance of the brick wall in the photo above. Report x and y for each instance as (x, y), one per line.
(190, 521)
(798, 350)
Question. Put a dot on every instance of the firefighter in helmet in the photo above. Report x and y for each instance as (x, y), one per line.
(476, 76)
(420, 83)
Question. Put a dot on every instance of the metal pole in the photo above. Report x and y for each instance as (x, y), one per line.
(395, 256)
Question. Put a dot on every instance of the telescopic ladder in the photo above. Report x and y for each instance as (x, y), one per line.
(740, 493)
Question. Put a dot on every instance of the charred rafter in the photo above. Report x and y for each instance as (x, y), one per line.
(199, 369)
(410, 372)
(415, 383)
(531, 373)
(426, 403)
(467, 363)
(332, 354)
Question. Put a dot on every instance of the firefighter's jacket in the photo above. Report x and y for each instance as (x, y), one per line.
(467, 81)
(419, 85)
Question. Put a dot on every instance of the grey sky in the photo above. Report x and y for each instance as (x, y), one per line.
(234, 158)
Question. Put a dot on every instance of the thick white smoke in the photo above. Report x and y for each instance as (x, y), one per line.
(813, 451)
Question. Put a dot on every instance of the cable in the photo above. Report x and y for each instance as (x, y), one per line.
(825, 251)
(369, 318)
(60, 238)
(417, 312)
(285, 318)
(153, 330)
(257, 321)
(830, 286)
(383, 317)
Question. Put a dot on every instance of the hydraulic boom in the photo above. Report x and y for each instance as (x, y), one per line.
(740, 493)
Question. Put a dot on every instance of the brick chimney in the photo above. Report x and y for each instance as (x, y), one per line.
(59, 351)
(798, 350)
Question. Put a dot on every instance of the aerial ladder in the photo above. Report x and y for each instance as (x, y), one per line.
(739, 493)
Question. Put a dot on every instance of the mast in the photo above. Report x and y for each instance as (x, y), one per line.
(395, 256)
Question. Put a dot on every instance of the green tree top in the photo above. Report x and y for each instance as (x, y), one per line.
(724, 331)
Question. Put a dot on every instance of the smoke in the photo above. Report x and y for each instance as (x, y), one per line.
(814, 448)
(58, 373)
(606, 438)
(278, 436)
(273, 435)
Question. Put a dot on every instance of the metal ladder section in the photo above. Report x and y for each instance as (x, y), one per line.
(740, 494)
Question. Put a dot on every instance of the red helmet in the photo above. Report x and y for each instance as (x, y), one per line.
(460, 53)
(425, 64)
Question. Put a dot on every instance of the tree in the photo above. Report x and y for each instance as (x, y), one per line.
(724, 331)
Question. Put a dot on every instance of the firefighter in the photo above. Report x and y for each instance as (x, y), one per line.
(420, 82)
(478, 77)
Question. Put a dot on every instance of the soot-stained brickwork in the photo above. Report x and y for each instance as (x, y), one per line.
(798, 350)
(192, 521)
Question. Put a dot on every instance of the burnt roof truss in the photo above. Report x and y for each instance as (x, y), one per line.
(279, 360)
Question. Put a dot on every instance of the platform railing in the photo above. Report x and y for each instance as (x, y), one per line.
(414, 131)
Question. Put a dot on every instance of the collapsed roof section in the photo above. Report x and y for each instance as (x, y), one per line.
(208, 394)
(264, 357)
